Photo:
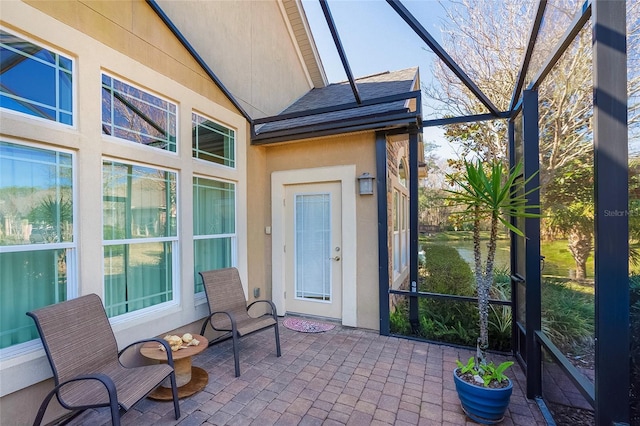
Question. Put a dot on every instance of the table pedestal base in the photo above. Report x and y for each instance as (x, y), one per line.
(199, 379)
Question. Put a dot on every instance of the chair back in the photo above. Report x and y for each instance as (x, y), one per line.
(76, 336)
(224, 291)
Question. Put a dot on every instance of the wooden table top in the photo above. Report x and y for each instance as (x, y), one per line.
(150, 350)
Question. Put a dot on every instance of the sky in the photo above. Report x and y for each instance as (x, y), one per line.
(375, 40)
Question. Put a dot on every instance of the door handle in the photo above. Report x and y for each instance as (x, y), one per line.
(335, 258)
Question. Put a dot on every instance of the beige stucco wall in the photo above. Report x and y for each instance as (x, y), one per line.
(352, 149)
(125, 39)
(132, 28)
(249, 47)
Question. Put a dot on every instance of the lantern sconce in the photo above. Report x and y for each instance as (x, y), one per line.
(365, 184)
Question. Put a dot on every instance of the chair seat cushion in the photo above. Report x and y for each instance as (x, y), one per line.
(132, 384)
(247, 324)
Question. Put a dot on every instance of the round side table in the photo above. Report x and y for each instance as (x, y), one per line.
(189, 379)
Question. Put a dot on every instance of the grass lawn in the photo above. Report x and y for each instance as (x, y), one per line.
(558, 260)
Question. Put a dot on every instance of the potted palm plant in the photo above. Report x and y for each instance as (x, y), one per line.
(488, 192)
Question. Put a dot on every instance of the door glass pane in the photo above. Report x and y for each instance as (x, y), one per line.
(313, 246)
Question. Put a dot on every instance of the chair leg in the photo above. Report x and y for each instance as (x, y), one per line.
(204, 326)
(277, 338)
(43, 408)
(236, 355)
(115, 412)
(174, 390)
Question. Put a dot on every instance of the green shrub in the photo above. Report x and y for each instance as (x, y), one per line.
(446, 272)
(448, 321)
(634, 299)
(399, 321)
(567, 315)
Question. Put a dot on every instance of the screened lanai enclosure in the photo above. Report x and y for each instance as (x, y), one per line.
(556, 89)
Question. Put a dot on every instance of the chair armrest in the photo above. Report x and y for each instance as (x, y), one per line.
(210, 317)
(106, 381)
(167, 348)
(101, 377)
(273, 313)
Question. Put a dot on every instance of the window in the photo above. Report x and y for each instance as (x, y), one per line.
(213, 142)
(137, 116)
(404, 238)
(214, 221)
(396, 230)
(140, 236)
(403, 231)
(37, 248)
(35, 80)
(402, 172)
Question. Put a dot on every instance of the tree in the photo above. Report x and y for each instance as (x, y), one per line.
(492, 194)
(487, 39)
(570, 197)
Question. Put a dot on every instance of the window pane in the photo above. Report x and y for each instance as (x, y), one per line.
(36, 195)
(137, 116)
(30, 75)
(213, 216)
(313, 246)
(214, 207)
(137, 276)
(138, 202)
(211, 253)
(30, 280)
(213, 142)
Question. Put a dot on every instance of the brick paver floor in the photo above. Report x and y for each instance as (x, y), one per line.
(345, 376)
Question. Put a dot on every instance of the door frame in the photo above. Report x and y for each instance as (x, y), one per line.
(346, 176)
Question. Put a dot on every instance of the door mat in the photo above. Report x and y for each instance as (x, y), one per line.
(306, 326)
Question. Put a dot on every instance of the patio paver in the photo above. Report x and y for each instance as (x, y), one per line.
(345, 376)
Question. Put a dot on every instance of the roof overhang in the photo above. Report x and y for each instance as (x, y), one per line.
(398, 119)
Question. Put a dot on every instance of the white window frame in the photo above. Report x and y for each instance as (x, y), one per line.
(404, 239)
(396, 231)
(74, 91)
(70, 247)
(234, 236)
(235, 145)
(175, 248)
(148, 92)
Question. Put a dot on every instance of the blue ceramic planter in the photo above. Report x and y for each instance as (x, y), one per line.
(483, 405)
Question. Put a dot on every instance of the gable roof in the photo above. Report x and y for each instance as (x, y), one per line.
(386, 101)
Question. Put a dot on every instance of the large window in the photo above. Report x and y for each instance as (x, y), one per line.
(140, 236)
(37, 248)
(35, 80)
(214, 221)
(137, 116)
(396, 231)
(213, 142)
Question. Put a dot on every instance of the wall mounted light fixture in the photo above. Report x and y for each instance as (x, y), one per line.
(365, 184)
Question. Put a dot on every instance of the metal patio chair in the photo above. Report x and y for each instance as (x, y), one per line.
(85, 361)
(229, 312)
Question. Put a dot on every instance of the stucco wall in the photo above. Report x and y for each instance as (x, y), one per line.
(248, 46)
(132, 28)
(353, 149)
